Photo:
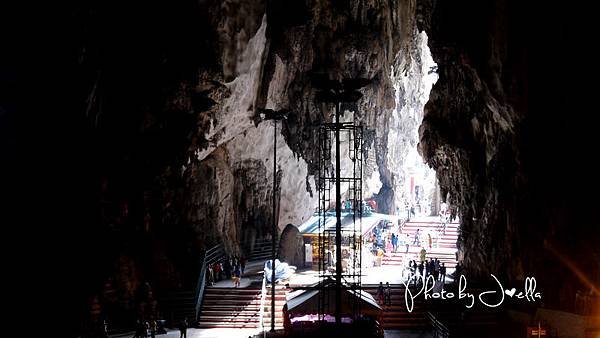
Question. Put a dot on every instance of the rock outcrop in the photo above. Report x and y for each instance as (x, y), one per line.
(291, 246)
(496, 131)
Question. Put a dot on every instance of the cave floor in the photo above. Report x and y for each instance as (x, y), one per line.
(394, 274)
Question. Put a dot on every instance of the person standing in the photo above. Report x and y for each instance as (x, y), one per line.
(227, 268)
(417, 240)
(218, 271)
(431, 267)
(443, 273)
(104, 328)
(243, 264)
(236, 276)
(183, 328)
(380, 293)
(139, 329)
(388, 294)
(423, 254)
(210, 275)
(153, 327)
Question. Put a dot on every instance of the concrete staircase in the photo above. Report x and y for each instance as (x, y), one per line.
(260, 250)
(443, 249)
(230, 308)
(452, 318)
(280, 300)
(393, 258)
(396, 316)
(177, 305)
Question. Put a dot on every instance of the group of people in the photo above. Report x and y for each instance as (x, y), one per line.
(367, 206)
(433, 267)
(143, 327)
(384, 294)
(445, 215)
(387, 237)
(228, 268)
(425, 238)
(389, 240)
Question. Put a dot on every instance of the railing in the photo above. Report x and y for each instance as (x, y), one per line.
(263, 296)
(402, 222)
(210, 256)
(249, 246)
(440, 330)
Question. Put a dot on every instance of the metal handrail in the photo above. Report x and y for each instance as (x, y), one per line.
(440, 327)
(257, 241)
(213, 255)
(210, 256)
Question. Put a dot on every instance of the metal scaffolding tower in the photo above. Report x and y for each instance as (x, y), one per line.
(342, 243)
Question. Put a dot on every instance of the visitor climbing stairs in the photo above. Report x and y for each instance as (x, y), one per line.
(443, 247)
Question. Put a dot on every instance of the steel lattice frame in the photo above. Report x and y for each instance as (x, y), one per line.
(352, 239)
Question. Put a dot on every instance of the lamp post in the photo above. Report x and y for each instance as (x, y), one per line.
(268, 114)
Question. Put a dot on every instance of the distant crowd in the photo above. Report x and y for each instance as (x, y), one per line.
(226, 268)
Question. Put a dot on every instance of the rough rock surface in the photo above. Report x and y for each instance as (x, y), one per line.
(291, 246)
(495, 132)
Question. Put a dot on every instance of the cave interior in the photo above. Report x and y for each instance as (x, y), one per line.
(144, 142)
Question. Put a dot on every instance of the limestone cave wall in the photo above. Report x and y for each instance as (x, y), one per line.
(499, 131)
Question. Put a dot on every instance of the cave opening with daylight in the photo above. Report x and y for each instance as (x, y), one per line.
(186, 154)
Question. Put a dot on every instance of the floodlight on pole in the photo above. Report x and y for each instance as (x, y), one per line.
(268, 114)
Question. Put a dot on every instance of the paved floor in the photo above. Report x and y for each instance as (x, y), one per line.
(253, 274)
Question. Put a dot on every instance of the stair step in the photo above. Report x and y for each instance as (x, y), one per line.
(226, 313)
(229, 318)
(217, 302)
(211, 325)
(213, 289)
(231, 296)
(267, 321)
(232, 307)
